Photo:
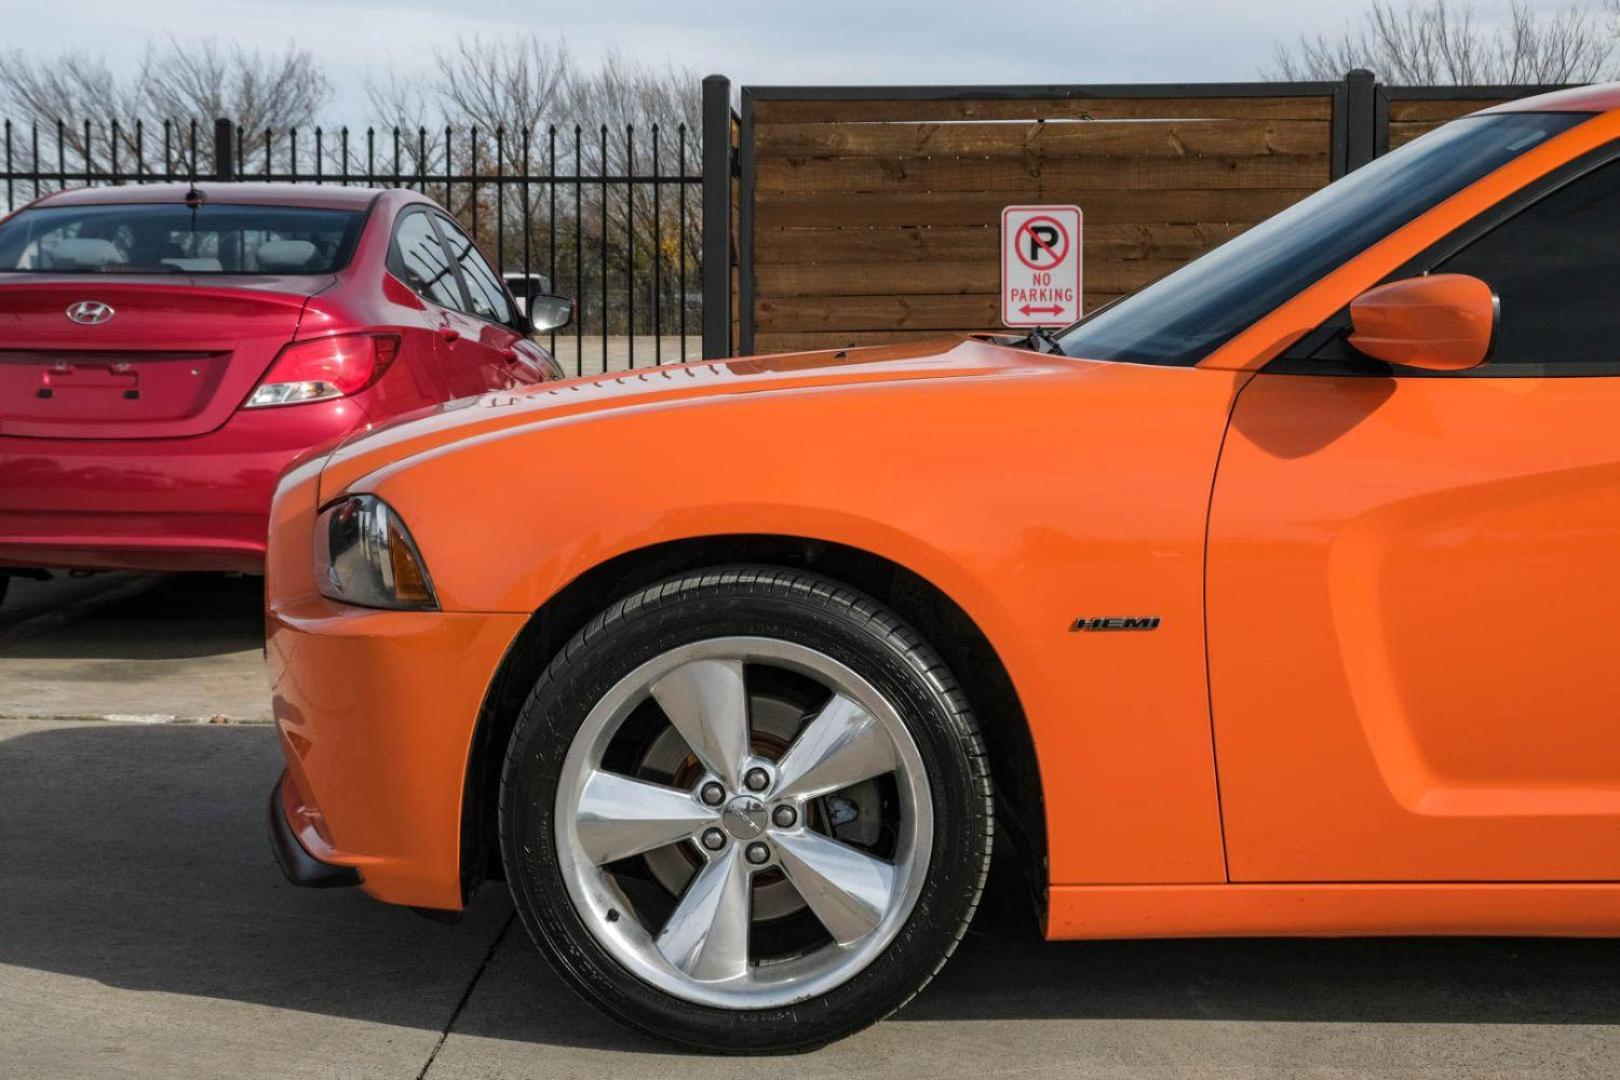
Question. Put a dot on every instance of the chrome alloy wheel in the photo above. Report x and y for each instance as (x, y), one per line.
(747, 818)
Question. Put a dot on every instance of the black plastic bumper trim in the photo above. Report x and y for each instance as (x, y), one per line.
(297, 863)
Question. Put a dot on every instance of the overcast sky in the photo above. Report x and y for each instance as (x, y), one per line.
(759, 42)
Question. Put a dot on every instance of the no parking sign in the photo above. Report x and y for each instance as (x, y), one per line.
(1040, 265)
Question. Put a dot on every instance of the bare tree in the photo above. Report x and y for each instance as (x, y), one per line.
(635, 116)
(510, 86)
(488, 101)
(265, 93)
(59, 95)
(409, 116)
(182, 82)
(65, 87)
(261, 91)
(1436, 42)
(623, 95)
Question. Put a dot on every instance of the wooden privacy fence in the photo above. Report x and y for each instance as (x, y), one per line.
(871, 214)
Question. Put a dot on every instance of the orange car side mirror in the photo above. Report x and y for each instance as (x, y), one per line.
(1441, 322)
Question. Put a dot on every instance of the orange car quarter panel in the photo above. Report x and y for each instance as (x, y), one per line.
(1412, 601)
(1033, 490)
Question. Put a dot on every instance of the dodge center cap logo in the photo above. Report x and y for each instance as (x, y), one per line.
(744, 817)
(90, 312)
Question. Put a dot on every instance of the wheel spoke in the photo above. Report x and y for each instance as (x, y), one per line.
(843, 745)
(619, 817)
(707, 934)
(707, 702)
(849, 890)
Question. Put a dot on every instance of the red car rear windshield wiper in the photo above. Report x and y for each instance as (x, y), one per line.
(126, 268)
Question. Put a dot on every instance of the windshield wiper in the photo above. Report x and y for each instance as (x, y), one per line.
(1041, 340)
(131, 268)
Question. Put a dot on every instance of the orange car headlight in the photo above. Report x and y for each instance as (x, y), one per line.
(365, 556)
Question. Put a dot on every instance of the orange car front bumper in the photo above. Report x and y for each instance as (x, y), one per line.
(376, 712)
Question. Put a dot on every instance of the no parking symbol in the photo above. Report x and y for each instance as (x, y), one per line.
(1040, 265)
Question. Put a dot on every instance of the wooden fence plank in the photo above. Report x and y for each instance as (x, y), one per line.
(947, 244)
(1409, 110)
(1316, 107)
(873, 312)
(876, 210)
(909, 278)
(774, 175)
(843, 339)
(1148, 138)
(1402, 133)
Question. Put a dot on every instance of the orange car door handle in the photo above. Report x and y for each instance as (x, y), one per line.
(450, 334)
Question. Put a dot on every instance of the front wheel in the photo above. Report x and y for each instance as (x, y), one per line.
(746, 810)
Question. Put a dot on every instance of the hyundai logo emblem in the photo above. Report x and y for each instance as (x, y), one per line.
(90, 312)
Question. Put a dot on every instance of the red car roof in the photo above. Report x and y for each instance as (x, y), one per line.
(306, 195)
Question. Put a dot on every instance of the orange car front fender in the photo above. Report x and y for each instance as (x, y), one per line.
(1100, 515)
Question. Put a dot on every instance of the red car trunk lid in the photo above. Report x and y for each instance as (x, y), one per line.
(176, 356)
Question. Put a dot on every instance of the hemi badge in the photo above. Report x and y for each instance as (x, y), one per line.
(1150, 622)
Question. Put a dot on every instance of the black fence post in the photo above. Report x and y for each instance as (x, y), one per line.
(224, 150)
(716, 217)
(1360, 146)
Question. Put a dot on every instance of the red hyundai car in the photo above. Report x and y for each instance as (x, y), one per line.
(165, 351)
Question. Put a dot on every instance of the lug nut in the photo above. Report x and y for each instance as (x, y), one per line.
(785, 817)
(712, 794)
(757, 779)
(714, 839)
(757, 853)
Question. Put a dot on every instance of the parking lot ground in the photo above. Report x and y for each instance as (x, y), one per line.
(135, 648)
(146, 932)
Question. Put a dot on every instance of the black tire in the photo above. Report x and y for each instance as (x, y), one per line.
(810, 610)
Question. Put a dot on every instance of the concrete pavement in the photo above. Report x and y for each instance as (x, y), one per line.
(145, 932)
(136, 648)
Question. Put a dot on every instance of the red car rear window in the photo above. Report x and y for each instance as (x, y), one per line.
(163, 238)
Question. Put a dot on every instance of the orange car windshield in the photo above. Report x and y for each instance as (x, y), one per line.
(1183, 317)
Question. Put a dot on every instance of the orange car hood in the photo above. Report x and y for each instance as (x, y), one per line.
(503, 410)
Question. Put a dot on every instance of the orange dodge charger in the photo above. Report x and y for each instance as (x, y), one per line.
(1281, 597)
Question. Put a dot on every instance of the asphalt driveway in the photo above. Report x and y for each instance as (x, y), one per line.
(145, 931)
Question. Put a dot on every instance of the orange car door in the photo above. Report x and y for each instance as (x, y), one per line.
(1414, 587)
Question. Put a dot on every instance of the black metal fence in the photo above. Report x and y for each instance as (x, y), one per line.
(613, 218)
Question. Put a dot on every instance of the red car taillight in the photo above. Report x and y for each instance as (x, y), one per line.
(324, 368)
